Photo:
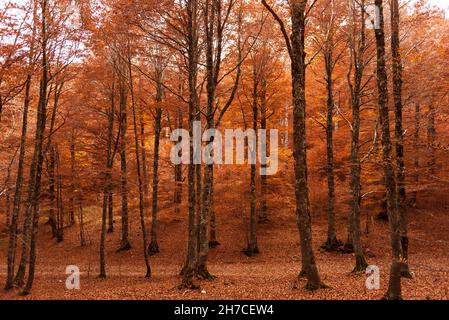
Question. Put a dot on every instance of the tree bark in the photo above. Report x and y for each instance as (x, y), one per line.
(416, 148)
(394, 287)
(252, 247)
(12, 240)
(124, 243)
(192, 67)
(358, 56)
(154, 246)
(309, 267)
(399, 135)
(36, 174)
(138, 165)
(263, 214)
(431, 134)
(332, 243)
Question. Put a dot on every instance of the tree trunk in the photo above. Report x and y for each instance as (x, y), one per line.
(12, 241)
(309, 267)
(124, 243)
(39, 155)
(192, 67)
(154, 246)
(431, 134)
(139, 175)
(332, 243)
(394, 288)
(59, 200)
(416, 148)
(263, 215)
(52, 191)
(252, 247)
(178, 170)
(358, 56)
(399, 135)
(30, 225)
(72, 180)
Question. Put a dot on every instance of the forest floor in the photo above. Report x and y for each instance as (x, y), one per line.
(270, 275)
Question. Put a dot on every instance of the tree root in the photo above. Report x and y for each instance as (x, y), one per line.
(249, 252)
(332, 245)
(360, 265)
(213, 244)
(153, 248)
(314, 287)
(124, 247)
(204, 274)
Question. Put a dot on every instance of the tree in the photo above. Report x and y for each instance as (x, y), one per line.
(394, 287)
(295, 47)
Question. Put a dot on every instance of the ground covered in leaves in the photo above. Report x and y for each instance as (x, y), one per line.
(270, 275)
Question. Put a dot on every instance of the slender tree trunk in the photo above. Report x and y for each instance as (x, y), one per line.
(81, 223)
(30, 226)
(178, 170)
(146, 186)
(399, 135)
(12, 220)
(332, 243)
(252, 247)
(124, 243)
(52, 191)
(72, 180)
(154, 246)
(102, 274)
(39, 152)
(431, 134)
(192, 66)
(263, 215)
(109, 163)
(59, 200)
(416, 148)
(213, 242)
(139, 174)
(107, 191)
(394, 287)
(358, 56)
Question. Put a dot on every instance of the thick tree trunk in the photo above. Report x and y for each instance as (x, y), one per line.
(309, 267)
(394, 287)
